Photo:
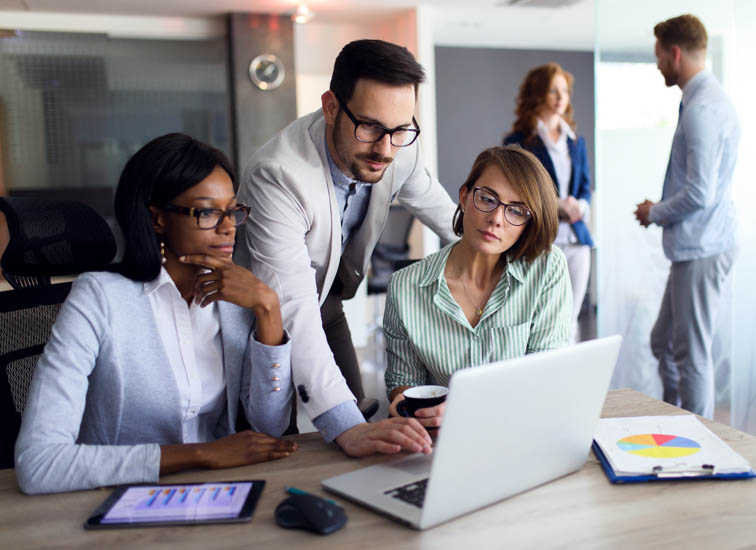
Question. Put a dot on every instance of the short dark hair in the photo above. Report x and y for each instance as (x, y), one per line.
(685, 31)
(532, 182)
(156, 174)
(374, 60)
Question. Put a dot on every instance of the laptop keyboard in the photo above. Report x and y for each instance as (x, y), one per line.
(412, 493)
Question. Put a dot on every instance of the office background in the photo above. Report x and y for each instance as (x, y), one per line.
(80, 92)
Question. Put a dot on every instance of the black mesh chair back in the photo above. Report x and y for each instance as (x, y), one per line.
(392, 250)
(47, 238)
(26, 319)
(51, 238)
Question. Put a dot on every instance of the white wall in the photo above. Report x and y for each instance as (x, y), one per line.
(316, 45)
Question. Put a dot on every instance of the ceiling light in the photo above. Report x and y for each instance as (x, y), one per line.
(303, 14)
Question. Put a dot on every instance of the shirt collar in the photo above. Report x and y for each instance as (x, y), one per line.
(692, 85)
(437, 263)
(158, 282)
(564, 130)
(517, 270)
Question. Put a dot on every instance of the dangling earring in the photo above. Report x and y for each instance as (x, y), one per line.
(162, 251)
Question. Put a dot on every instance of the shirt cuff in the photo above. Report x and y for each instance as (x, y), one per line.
(338, 419)
(286, 340)
(272, 366)
(654, 218)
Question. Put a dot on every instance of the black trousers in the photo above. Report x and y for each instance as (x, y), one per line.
(339, 339)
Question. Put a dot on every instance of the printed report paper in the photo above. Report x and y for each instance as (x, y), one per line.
(648, 445)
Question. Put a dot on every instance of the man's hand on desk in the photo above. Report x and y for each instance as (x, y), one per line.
(387, 436)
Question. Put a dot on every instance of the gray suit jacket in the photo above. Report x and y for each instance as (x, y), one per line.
(103, 396)
(295, 228)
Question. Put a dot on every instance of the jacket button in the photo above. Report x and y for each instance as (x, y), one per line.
(357, 272)
(276, 365)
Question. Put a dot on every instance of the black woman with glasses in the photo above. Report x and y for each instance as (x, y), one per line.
(319, 193)
(501, 291)
(148, 365)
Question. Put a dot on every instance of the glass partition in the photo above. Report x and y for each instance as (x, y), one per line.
(74, 106)
(636, 116)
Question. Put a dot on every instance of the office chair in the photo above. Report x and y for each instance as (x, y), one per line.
(47, 238)
(52, 238)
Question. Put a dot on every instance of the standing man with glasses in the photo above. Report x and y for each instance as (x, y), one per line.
(320, 193)
(697, 216)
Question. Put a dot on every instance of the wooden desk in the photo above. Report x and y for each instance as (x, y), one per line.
(582, 510)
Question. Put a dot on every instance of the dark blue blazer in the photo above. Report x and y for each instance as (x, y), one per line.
(580, 180)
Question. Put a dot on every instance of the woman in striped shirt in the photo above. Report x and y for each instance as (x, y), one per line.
(501, 291)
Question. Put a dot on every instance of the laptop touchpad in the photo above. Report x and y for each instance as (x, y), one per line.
(416, 464)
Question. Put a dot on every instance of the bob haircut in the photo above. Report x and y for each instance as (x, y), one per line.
(374, 60)
(685, 31)
(532, 96)
(530, 180)
(156, 174)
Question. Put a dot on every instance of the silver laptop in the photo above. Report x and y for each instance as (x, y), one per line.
(508, 427)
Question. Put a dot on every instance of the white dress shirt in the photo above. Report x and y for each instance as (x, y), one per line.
(192, 339)
(560, 158)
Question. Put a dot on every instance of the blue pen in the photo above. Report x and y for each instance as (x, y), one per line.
(295, 491)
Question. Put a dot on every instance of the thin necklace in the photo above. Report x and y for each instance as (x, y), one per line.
(478, 309)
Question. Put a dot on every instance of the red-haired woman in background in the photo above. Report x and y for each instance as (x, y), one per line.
(545, 127)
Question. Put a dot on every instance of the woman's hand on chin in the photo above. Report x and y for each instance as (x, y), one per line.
(232, 283)
(224, 280)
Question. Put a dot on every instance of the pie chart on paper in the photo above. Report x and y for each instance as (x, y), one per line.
(658, 445)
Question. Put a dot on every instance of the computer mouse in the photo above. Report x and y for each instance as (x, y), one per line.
(310, 512)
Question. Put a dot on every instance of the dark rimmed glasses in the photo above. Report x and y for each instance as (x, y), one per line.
(210, 218)
(485, 201)
(371, 132)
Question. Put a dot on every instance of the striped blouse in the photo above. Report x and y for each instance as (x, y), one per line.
(428, 337)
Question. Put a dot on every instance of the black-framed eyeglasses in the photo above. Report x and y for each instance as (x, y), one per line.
(371, 132)
(210, 218)
(485, 201)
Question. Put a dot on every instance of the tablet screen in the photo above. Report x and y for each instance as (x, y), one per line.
(180, 503)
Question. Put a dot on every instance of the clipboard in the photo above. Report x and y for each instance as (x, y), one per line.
(660, 475)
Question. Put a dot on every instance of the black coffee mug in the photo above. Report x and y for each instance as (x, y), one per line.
(420, 397)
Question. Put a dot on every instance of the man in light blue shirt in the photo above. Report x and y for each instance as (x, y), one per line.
(697, 216)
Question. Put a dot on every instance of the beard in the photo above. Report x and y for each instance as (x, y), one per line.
(361, 174)
(670, 77)
(366, 175)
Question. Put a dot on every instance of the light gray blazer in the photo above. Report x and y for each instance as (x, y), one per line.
(295, 228)
(103, 397)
